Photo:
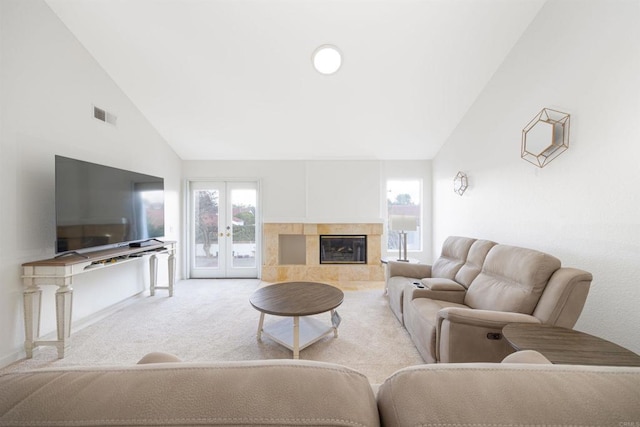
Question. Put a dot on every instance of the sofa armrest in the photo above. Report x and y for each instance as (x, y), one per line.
(441, 284)
(158, 357)
(405, 269)
(450, 296)
(564, 297)
(526, 356)
(483, 318)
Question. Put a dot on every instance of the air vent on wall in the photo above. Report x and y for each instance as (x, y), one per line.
(104, 116)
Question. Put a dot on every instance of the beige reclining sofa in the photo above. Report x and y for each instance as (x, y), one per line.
(534, 393)
(455, 309)
(306, 393)
(247, 393)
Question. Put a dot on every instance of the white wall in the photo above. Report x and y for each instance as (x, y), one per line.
(582, 58)
(322, 191)
(48, 84)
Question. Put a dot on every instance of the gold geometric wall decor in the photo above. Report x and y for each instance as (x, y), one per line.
(545, 137)
(460, 183)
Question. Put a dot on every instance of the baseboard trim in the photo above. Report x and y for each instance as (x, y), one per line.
(76, 326)
(89, 320)
(12, 357)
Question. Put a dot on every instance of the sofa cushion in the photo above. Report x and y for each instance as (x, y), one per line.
(483, 394)
(454, 254)
(420, 320)
(274, 392)
(475, 259)
(512, 279)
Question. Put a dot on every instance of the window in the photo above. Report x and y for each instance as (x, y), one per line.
(404, 199)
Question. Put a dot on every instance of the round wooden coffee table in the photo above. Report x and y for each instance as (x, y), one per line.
(296, 301)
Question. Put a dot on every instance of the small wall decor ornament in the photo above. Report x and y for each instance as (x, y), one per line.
(460, 183)
(545, 137)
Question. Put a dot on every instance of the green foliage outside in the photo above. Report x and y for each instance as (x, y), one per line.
(207, 221)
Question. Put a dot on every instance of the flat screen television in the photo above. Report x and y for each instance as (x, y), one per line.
(102, 206)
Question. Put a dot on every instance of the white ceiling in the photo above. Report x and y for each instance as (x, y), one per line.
(233, 79)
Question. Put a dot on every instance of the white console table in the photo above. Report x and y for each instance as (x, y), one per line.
(61, 271)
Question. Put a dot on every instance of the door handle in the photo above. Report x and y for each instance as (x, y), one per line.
(221, 234)
(228, 234)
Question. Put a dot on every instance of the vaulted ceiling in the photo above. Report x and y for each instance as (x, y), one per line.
(233, 79)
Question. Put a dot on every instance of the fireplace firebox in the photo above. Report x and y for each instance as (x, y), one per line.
(343, 249)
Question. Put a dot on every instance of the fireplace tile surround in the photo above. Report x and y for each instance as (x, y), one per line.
(275, 269)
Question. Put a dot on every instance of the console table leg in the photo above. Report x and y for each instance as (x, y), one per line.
(64, 299)
(172, 271)
(153, 274)
(32, 307)
(296, 337)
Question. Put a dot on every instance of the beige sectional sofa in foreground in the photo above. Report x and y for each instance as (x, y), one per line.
(306, 393)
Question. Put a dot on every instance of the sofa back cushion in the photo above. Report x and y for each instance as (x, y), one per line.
(473, 265)
(510, 395)
(248, 393)
(512, 279)
(454, 254)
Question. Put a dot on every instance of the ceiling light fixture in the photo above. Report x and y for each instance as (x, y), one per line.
(327, 59)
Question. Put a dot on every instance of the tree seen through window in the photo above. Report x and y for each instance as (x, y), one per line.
(403, 198)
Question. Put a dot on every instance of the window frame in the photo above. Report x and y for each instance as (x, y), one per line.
(414, 238)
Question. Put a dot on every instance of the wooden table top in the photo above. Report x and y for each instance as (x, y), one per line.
(296, 298)
(75, 258)
(568, 346)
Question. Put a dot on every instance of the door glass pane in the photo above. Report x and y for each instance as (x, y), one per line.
(206, 228)
(243, 223)
(403, 201)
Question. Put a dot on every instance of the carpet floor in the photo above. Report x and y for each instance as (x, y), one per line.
(212, 320)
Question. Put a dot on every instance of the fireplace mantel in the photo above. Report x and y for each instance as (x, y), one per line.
(292, 253)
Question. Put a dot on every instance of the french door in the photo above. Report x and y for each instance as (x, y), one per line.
(224, 235)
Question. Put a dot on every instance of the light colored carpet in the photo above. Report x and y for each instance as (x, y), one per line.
(212, 320)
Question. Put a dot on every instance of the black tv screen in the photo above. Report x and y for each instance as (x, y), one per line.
(100, 206)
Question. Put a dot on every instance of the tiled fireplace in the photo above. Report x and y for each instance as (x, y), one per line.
(292, 252)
